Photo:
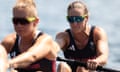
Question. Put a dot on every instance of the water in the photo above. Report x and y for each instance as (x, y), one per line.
(52, 13)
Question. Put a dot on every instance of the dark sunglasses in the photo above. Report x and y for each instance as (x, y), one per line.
(22, 21)
(72, 19)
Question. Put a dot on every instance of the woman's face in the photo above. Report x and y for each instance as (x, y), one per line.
(78, 23)
(23, 24)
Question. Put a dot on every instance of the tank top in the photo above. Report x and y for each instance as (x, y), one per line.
(43, 64)
(88, 52)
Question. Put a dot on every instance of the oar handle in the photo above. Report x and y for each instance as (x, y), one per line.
(78, 63)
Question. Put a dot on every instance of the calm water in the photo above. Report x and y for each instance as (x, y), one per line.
(103, 13)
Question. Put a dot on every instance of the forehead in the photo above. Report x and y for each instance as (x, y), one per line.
(23, 12)
(19, 12)
(76, 9)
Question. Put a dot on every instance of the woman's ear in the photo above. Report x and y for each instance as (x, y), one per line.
(36, 21)
(86, 19)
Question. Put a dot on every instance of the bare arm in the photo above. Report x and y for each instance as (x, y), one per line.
(102, 49)
(3, 59)
(9, 41)
(62, 40)
(40, 49)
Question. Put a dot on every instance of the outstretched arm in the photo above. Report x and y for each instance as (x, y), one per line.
(102, 49)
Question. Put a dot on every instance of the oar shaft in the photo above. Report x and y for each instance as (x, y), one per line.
(99, 68)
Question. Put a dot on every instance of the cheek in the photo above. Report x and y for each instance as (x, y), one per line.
(31, 27)
(76, 25)
(34, 25)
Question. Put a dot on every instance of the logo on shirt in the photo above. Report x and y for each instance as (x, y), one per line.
(72, 48)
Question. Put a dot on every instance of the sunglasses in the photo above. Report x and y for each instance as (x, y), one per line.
(72, 19)
(22, 21)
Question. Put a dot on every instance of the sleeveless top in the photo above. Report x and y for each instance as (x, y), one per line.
(43, 64)
(72, 52)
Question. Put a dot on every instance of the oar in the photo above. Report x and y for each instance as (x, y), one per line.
(99, 68)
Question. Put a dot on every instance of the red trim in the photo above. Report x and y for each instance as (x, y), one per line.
(53, 66)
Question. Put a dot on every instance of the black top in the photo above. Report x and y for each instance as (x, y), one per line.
(72, 52)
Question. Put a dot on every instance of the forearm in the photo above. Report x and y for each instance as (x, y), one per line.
(102, 59)
(22, 60)
(102, 52)
(3, 65)
(27, 58)
(3, 59)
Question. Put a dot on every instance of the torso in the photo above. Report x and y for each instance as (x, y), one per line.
(77, 51)
(44, 64)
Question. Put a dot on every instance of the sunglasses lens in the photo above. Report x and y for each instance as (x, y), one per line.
(70, 19)
(73, 19)
(21, 21)
(79, 19)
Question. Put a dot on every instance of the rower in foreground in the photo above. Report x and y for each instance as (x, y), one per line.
(31, 50)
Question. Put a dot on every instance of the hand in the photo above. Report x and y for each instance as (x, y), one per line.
(92, 64)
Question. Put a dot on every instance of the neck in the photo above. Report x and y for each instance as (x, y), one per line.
(28, 38)
(85, 31)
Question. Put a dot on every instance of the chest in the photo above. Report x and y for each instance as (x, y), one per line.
(24, 47)
(80, 44)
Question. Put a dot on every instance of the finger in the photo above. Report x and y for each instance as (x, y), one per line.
(92, 65)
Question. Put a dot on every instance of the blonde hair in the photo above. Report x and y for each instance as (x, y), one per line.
(72, 5)
(28, 5)
(25, 2)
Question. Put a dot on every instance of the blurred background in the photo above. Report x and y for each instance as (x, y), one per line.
(52, 13)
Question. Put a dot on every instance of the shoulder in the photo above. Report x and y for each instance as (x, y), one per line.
(62, 35)
(63, 39)
(44, 39)
(9, 41)
(9, 38)
(45, 36)
(99, 33)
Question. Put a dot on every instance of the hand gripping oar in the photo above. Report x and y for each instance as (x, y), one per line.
(99, 68)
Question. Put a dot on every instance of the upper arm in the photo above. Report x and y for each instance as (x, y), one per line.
(8, 42)
(42, 47)
(101, 42)
(62, 40)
